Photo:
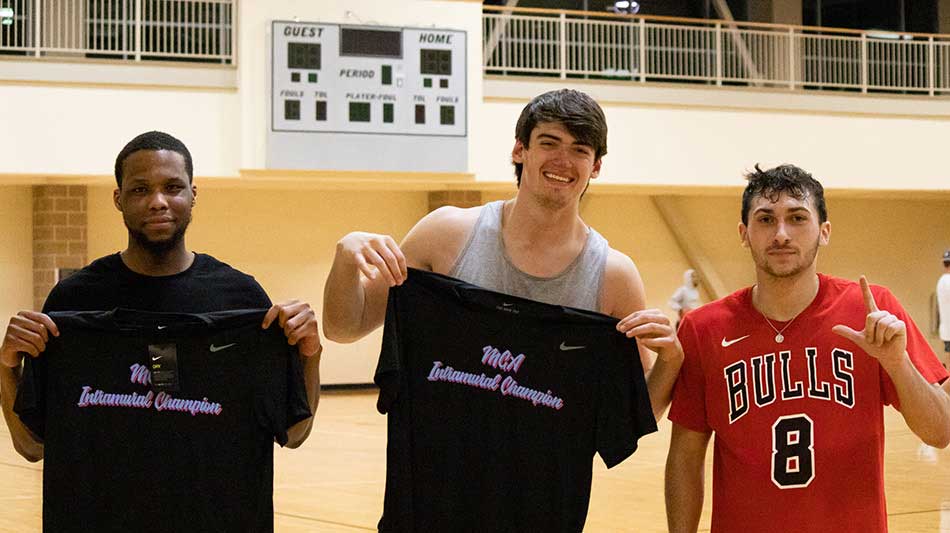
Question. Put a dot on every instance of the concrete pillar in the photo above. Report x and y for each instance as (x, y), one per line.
(59, 234)
(787, 12)
(777, 11)
(943, 16)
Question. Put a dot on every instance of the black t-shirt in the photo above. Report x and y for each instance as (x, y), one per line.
(208, 285)
(496, 406)
(122, 455)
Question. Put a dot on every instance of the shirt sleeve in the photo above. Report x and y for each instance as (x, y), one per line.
(689, 393)
(388, 366)
(624, 413)
(30, 401)
(257, 296)
(919, 350)
(298, 408)
(58, 299)
(283, 403)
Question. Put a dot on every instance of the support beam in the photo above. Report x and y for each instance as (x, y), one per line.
(776, 11)
(688, 243)
(787, 12)
(943, 16)
(492, 42)
(726, 14)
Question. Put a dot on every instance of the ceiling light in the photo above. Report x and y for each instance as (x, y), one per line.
(624, 6)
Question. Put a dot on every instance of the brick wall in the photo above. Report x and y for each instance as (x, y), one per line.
(438, 199)
(59, 234)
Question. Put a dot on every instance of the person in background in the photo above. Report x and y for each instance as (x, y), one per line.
(943, 308)
(686, 297)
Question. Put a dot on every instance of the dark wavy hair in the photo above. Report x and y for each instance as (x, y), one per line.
(581, 116)
(787, 179)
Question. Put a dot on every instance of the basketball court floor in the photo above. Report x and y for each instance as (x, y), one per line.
(335, 481)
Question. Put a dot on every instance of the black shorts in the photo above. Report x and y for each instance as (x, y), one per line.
(946, 346)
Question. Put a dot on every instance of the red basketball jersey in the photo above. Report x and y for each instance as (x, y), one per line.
(799, 424)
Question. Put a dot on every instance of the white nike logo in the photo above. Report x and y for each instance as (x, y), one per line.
(726, 344)
(565, 347)
(161, 327)
(214, 348)
(156, 358)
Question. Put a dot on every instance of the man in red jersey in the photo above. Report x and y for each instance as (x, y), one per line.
(792, 375)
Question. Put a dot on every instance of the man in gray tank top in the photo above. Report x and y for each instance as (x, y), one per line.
(534, 245)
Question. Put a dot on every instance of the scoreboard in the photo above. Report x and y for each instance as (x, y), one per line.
(367, 98)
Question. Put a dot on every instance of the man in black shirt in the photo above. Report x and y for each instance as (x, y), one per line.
(194, 438)
(156, 272)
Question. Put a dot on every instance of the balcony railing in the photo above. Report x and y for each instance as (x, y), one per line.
(573, 44)
(170, 30)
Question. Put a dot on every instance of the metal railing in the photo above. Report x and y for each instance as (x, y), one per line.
(572, 44)
(171, 30)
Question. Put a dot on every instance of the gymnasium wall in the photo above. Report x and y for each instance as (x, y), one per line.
(16, 249)
(676, 135)
(672, 134)
(68, 130)
(894, 242)
(663, 136)
(79, 130)
(75, 125)
(286, 239)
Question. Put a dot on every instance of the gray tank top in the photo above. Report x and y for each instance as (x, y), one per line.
(484, 262)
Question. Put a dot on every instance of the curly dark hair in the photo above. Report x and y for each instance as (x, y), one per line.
(787, 179)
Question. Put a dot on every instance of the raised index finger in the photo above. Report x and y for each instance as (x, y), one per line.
(868, 297)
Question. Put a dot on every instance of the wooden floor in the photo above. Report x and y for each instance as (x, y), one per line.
(334, 482)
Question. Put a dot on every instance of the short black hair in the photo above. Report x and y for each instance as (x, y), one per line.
(153, 140)
(579, 113)
(787, 179)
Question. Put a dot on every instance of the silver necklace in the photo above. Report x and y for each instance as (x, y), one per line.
(778, 333)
